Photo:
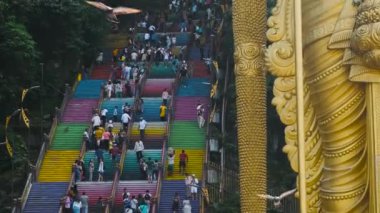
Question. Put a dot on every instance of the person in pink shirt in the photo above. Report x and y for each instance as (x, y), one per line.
(106, 139)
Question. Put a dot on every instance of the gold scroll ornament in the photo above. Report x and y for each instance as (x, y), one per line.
(249, 35)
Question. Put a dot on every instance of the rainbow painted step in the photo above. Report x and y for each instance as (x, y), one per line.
(110, 104)
(155, 87)
(109, 165)
(186, 107)
(56, 166)
(187, 135)
(89, 89)
(101, 72)
(134, 188)
(94, 190)
(131, 170)
(68, 136)
(195, 87)
(44, 197)
(79, 110)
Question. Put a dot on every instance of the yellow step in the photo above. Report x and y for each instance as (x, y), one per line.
(195, 165)
(56, 166)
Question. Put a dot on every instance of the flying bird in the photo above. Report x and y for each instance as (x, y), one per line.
(277, 199)
(112, 13)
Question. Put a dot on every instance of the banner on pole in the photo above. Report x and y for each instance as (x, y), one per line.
(25, 118)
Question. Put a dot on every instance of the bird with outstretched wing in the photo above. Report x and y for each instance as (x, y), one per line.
(112, 13)
(277, 199)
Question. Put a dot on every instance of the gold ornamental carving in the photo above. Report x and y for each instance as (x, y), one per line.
(335, 33)
(249, 35)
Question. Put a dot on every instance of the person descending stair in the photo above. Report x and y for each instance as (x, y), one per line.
(183, 160)
(103, 116)
(142, 126)
(139, 148)
(125, 120)
(100, 170)
(163, 109)
(176, 203)
(84, 200)
(194, 187)
(150, 167)
(200, 115)
(165, 96)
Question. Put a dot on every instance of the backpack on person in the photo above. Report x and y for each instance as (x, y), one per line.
(127, 203)
(147, 196)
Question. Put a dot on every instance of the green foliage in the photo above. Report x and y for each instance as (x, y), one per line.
(230, 204)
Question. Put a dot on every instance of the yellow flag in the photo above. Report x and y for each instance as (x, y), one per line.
(24, 92)
(213, 89)
(9, 148)
(25, 118)
(7, 119)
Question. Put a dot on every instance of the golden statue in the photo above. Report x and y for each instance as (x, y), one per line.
(341, 58)
(249, 18)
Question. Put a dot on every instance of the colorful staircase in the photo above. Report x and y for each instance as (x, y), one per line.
(109, 165)
(186, 107)
(131, 170)
(162, 70)
(94, 190)
(79, 110)
(44, 197)
(155, 87)
(184, 131)
(101, 72)
(110, 104)
(168, 189)
(151, 109)
(68, 136)
(89, 89)
(134, 188)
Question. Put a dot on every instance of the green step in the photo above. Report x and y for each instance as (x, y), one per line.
(68, 136)
(186, 135)
(109, 166)
(131, 169)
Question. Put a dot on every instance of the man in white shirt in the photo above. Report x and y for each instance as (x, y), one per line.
(139, 147)
(96, 121)
(134, 56)
(146, 37)
(103, 116)
(142, 126)
(125, 120)
(165, 96)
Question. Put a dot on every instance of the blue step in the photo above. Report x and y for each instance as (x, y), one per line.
(151, 109)
(88, 89)
(45, 197)
(168, 189)
(195, 87)
(110, 104)
(183, 38)
(195, 53)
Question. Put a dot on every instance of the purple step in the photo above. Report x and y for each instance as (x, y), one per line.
(79, 110)
(186, 107)
(168, 189)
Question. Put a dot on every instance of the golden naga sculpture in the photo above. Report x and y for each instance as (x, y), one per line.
(341, 47)
(249, 18)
